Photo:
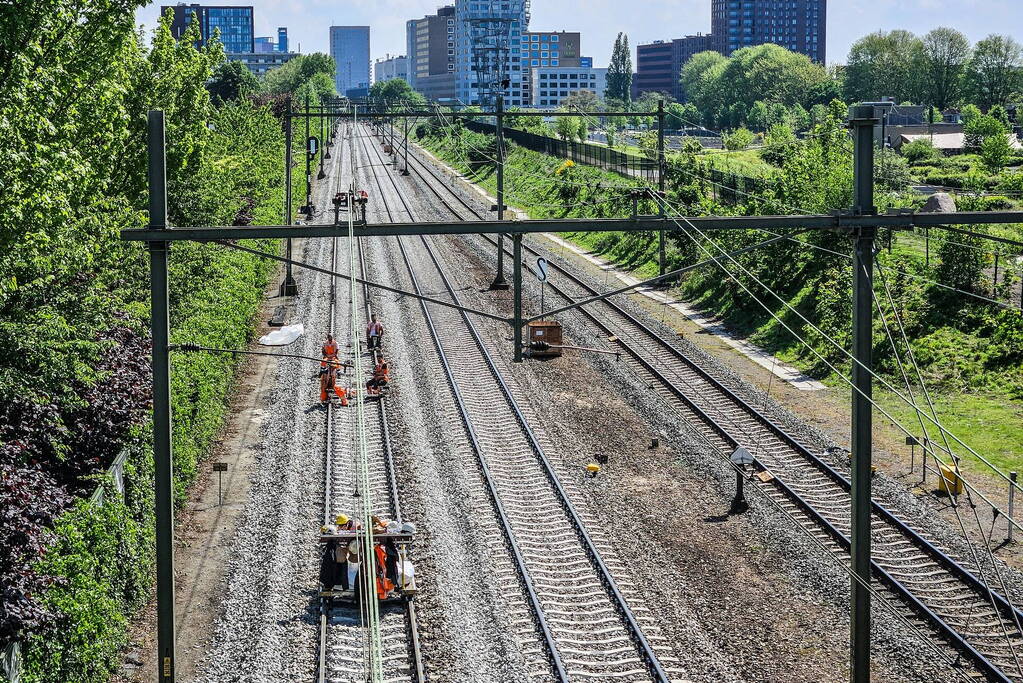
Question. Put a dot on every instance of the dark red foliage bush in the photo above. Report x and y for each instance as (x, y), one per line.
(47, 454)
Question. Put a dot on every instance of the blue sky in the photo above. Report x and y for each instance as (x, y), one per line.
(643, 20)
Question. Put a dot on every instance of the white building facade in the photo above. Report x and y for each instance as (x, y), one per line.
(551, 85)
(391, 67)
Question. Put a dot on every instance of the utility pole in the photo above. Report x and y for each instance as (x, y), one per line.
(660, 184)
(162, 449)
(288, 287)
(862, 122)
(308, 162)
(517, 294)
(405, 121)
(322, 147)
(499, 281)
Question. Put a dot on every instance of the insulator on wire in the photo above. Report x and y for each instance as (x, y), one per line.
(189, 347)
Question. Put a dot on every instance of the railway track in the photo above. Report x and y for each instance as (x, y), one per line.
(947, 592)
(589, 631)
(343, 637)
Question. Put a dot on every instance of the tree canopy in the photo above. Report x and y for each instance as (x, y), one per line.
(619, 71)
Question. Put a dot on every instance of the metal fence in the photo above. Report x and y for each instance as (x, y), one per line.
(10, 663)
(579, 152)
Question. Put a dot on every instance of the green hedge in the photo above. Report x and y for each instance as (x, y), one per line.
(103, 554)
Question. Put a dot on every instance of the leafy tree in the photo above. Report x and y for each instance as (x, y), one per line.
(962, 262)
(777, 114)
(619, 71)
(995, 153)
(919, 150)
(891, 172)
(946, 52)
(689, 115)
(699, 79)
(799, 118)
(995, 71)
(395, 90)
(779, 145)
(738, 140)
(759, 116)
(288, 77)
(567, 127)
(998, 113)
(232, 81)
(584, 100)
(969, 113)
(981, 128)
(882, 64)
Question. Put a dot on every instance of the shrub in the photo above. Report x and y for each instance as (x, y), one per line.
(891, 172)
(779, 145)
(738, 140)
(918, 151)
(994, 152)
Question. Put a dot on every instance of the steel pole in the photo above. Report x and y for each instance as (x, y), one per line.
(517, 296)
(660, 183)
(308, 160)
(288, 287)
(323, 144)
(162, 446)
(405, 122)
(862, 121)
(499, 281)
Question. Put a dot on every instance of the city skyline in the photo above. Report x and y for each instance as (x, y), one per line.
(309, 20)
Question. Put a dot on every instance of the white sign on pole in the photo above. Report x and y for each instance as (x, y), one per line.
(541, 269)
(741, 457)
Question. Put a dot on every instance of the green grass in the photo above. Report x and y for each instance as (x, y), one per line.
(745, 162)
(990, 425)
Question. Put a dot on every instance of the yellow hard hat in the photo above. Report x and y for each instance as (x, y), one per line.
(324, 529)
(342, 519)
(593, 467)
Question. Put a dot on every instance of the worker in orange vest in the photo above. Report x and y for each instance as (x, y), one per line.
(328, 381)
(374, 333)
(381, 377)
(330, 350)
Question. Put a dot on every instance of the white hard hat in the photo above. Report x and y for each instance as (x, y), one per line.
(408, 528)
(393, 528)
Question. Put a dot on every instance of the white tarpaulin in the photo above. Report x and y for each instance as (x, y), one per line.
(283, 336)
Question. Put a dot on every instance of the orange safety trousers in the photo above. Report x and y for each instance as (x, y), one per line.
(324, 389)
(384, 584)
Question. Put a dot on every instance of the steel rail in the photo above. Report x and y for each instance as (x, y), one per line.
(644, 649)
(972, 582)
(415, 650)
(504, 523)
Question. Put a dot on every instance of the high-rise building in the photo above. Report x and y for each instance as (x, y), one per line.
(659, 64)
(798, 25)
(349, 46)
(390, 67)
(235, 24)
(430, 42)
(282, 38)
(488, 63)
(545, 50)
